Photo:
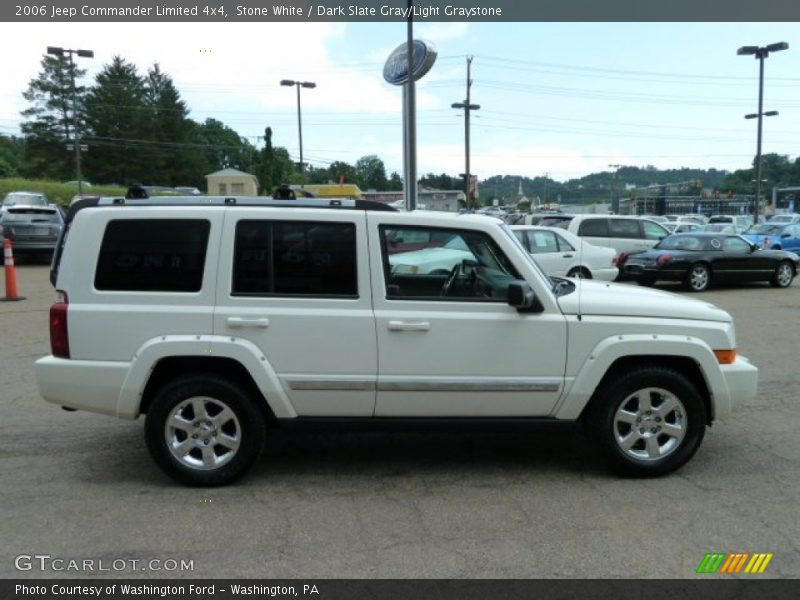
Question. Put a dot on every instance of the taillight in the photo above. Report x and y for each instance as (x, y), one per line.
(619, 259)
(59, 340)
(663, 259)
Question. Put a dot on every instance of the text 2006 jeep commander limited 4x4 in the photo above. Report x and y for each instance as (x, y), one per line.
(221, 318)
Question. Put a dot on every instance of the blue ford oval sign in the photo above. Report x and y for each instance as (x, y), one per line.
(396, 70)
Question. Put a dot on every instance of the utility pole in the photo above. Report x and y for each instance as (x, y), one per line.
(544, 193)
(614, 193)
(467, 108)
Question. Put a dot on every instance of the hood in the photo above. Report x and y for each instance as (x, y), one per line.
(613, 299)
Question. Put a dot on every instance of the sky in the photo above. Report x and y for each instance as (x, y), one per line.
(564, 99)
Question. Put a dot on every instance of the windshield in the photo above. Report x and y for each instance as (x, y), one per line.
(680, 242)
(767, 228)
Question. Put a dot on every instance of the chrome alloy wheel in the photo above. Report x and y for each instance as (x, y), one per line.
(202, 433)
(698, 277)
(784, 275)
(650, 424)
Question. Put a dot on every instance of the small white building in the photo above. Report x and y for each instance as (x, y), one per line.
(231, 182)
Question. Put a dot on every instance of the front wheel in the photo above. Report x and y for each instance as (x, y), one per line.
(784, 275)
(648, 422)
(204, 430)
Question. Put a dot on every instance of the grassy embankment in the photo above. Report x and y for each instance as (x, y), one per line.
(57, 192)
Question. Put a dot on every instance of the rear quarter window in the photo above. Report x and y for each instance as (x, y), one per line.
(152, 255)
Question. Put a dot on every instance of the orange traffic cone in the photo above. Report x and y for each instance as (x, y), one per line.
(11, 274)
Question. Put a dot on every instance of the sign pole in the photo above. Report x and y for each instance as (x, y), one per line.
(410, 119)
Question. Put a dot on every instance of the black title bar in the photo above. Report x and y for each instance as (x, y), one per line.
(397, 10)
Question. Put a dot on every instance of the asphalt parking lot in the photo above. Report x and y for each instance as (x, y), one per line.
(82, 486)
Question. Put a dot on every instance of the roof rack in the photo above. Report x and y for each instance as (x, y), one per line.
(230, 201)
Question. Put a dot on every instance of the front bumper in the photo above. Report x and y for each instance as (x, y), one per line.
(741, 380)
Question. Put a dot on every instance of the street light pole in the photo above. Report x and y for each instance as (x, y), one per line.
(298, 85)
(75, 127)
(467, 108)
(760, 53)
(615, 205)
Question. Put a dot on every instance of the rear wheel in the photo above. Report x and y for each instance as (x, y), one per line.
(648, 422)
(698, 279)
(784, 275)
(579, 273)
(204, 430)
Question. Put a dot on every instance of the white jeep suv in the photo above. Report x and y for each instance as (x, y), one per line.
(223, 318)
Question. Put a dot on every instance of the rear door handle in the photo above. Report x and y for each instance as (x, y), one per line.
(567, 255)
(237, 322)
(409, 326)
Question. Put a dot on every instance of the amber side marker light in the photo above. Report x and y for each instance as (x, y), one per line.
(725, 357)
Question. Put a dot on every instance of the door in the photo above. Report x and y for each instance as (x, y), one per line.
(739, 262)
(297, 286)
(449, 345)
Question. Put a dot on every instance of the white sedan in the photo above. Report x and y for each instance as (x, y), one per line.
(561, 253)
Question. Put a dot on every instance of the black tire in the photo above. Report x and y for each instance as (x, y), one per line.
(610, 429)
(698, 277)
(784, 275)
(580, 273)
(243, 427)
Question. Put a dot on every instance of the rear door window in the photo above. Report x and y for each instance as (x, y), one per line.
(624, 228)
(594, 228)
(295, 258)
(542, 242)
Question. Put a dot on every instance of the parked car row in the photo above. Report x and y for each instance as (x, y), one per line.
(700, 259)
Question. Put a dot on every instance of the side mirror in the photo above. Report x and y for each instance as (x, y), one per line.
(521, 296)
(753, 247)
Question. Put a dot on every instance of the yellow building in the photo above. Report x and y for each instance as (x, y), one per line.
(332, 190)
(231, 182)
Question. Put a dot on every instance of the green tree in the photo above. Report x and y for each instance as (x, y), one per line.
(395, 183)
(223, 147)
(11, 155)
(371, 172)
(442, 182)
(50, 118)
(118, 119)
(339, 170)
(172, 160)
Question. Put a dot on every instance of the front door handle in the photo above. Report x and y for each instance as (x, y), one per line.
(409, 326)
(567, 255)
(236, 322)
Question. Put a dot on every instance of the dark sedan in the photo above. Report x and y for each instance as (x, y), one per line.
(700, 259)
